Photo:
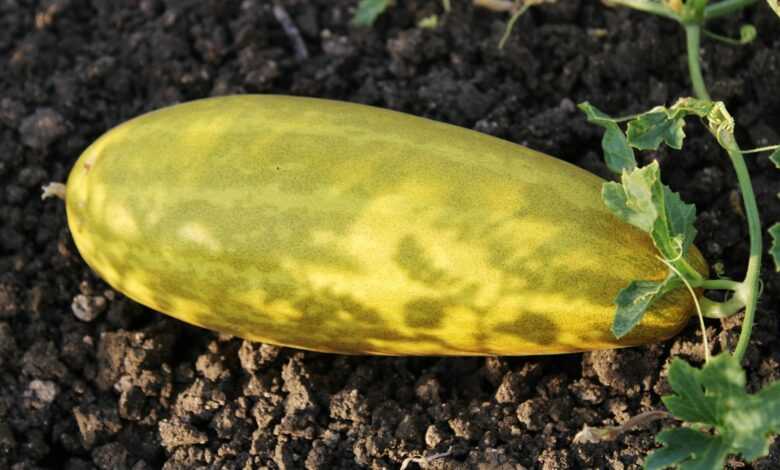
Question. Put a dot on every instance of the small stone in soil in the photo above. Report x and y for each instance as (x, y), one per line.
(88, 308)
(42, 128)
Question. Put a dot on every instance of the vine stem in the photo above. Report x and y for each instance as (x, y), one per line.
(515, 16)
(720, 284)
(761, 149)
(725, 7)
(748, 291)
(693, 42)
(714, 309)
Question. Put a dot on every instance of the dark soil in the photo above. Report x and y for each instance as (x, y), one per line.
(131, 388)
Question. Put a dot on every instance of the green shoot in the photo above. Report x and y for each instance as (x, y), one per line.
(726, 420)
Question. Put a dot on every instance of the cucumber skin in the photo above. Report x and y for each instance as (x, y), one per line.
(339, 227)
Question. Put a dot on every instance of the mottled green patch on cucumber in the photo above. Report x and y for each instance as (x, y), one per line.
(412, 259)
(424, 313)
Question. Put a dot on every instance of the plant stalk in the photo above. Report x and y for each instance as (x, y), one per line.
(761, 149)
(685, 269)
(714, 309)
(725, 7)
(693, 42)
(748, 291)
(511, 25)
(720, 284)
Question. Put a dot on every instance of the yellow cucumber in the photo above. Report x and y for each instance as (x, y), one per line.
(345, 228)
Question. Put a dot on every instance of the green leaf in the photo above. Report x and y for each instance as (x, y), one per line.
(750, 418)
(769, 396)
(649, 130)
(665, 125)
(695, 106)
(676, 231)
(689, 403)
(641, 200)
(774, 250)
(724, 379)
(715, 397)
(711, 458)
(632, 199)
(680, 444)
(633, 301)
(723, 376)
(617, 153)
(659, 125)
(368, 11)
(755, 418)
